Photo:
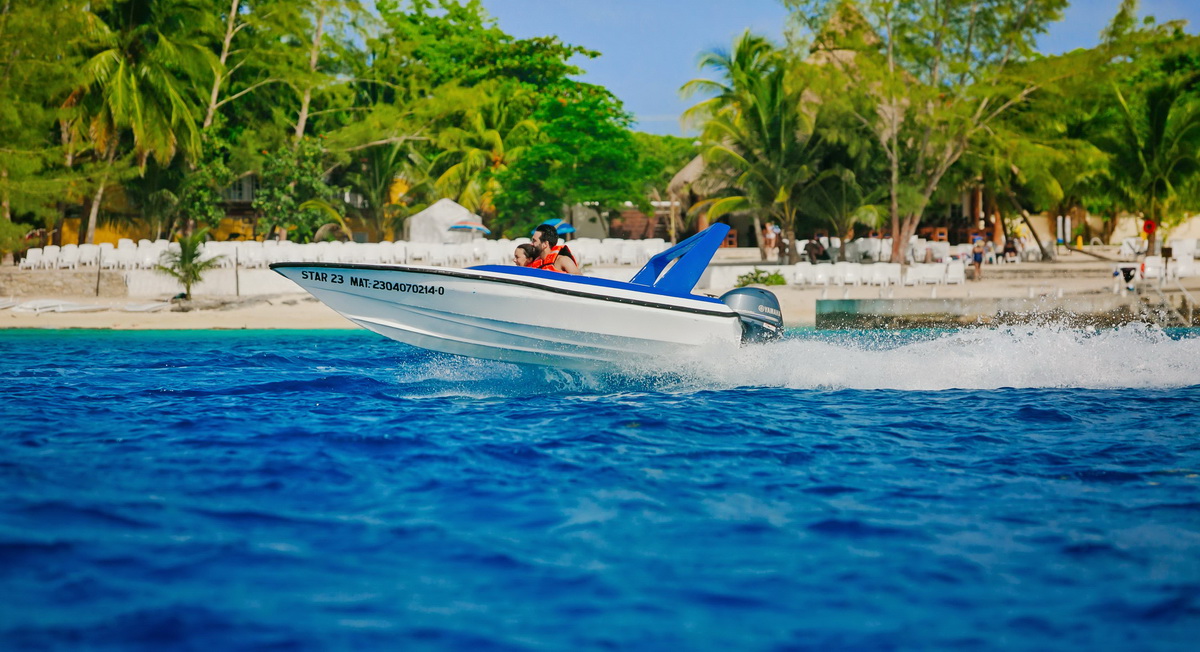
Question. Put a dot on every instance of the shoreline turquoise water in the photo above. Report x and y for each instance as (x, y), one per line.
(1014, 489)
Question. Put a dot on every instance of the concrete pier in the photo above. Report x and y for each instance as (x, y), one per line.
(1089, 310)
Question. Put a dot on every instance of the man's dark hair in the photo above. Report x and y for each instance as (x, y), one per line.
(549, 234)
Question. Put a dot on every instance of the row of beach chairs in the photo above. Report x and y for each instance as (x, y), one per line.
(1157, 267)
(126, 255)
(881, 274)
(145, 254)
(919, 250)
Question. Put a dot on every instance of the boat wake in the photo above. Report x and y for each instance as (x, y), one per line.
(1132, 356)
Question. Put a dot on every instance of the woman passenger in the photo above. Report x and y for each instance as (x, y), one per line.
(524, 255)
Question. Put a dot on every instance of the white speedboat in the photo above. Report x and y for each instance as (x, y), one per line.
(525, 315)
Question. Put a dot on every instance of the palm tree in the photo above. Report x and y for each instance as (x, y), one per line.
(764, 140)
(1157, 149)
(836, 197)
(491, 140)
(144, 82)
(187, 265)
(393, 178)
(751, 56)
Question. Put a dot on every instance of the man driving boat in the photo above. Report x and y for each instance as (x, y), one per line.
(553, 255)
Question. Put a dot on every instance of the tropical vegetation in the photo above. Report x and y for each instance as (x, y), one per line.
(881, 115)
(186, 261)
(347, 117)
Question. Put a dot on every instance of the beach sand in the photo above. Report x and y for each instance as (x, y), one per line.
(1078, 276)
(301, 311)
(298, 311)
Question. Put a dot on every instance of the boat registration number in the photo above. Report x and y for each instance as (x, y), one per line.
(373, 284)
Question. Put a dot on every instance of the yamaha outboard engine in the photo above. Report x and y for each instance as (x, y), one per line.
(762, 320)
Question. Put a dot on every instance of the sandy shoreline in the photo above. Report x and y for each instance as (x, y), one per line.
(1077, 277)
(300, 311)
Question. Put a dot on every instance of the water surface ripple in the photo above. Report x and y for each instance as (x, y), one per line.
(984, 489)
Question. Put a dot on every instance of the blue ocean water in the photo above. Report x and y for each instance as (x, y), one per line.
(980, 489)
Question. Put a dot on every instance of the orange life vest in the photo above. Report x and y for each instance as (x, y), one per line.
(547, 261)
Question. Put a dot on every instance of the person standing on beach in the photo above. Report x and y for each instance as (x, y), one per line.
(977, 253)
(770, 237)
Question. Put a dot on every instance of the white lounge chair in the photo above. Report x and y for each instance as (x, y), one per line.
(32, 259)
(68, 306)
(68, 257)
(39, 306)
(50, 256)
(153, 306)
(956, 272)
(804, 273)
(1153, 267)
(823, 273)
(89, 254)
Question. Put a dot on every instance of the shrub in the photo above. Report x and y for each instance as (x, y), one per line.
(761, 277)
(12, 237)
(186, 265)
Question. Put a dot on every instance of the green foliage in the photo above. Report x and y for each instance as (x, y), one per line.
(12, 236)
(492, 138)
(926, 77)
(200, 199)
(763, 134)
(760, 277)
(374, 173)
(40, 60)
(1154, 136)
(187, 265)
(660, 158)
(440, 42)
(837, 199)
(584, 153)
(146, 76)
(164, 102)
(289, 178)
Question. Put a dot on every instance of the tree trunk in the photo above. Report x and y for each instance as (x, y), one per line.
(1152, 236)
(894, 211)
(762, 242)
(1109, 227)
(89, 236)
(56, 234)
(5, 208)
(313, 54)
(673, 228)
(219, 77)
(1047, 252)
(908, 228)
(68, 162)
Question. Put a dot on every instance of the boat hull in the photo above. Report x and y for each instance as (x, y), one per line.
(542, 318)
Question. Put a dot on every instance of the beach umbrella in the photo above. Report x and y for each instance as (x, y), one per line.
(560, 225)
(470, 225)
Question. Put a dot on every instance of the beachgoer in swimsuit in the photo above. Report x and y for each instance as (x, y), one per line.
(977, 258)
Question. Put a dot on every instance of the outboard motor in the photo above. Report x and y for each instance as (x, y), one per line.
(762, 320)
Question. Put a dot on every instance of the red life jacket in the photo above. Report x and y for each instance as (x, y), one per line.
(547, 261)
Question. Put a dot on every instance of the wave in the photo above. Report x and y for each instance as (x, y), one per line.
(1134, 356)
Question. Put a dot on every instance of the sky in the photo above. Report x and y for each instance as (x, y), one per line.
(649, 47)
